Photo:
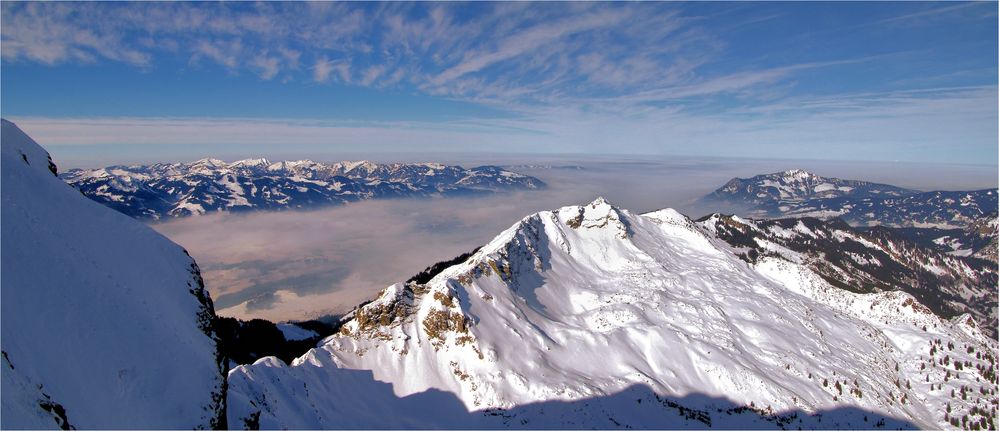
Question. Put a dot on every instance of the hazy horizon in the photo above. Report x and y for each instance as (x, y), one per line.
(98, 156)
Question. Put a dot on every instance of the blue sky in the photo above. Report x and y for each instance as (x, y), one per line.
(889, 81)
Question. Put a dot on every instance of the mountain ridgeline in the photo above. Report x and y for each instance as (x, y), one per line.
(797, 193)
(165, 190)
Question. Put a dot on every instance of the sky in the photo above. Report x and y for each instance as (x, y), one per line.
(102, 83)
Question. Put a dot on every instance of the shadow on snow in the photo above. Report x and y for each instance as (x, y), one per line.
(317, 395)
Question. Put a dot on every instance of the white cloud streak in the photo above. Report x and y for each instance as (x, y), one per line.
(523, 49)
(321, 71)
(534, 38)
(268, 67)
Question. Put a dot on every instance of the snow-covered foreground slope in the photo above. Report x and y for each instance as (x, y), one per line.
(592, 316)
(105, 323)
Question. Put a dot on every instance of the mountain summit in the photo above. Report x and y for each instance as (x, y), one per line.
(592, 315)
(797, 185)
(798, 193)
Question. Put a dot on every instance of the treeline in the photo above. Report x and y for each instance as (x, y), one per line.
(244, 342)
(431, 271)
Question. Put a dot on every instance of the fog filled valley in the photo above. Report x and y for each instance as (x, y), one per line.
(302, 264)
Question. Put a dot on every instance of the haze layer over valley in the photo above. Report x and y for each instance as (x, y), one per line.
(302, 264)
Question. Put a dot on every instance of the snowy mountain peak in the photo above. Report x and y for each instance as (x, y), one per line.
(599, 201)
(359, 165)
(209, 162)
(796, 175)
(668, 308)
(797, 193)
(289, 165)
(251, 162)
(596, 214)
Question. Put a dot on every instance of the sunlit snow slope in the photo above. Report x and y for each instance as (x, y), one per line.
(105, 323)
(592, 316)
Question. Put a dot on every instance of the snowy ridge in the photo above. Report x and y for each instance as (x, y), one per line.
(212, 185)
(865, 261)
(100, 314)
(687, 335)
(797, 193)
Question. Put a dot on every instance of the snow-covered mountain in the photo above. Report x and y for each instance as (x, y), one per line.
(210, 185)
(797, 193)
(865, 261)
(105, 323)
(593, 316)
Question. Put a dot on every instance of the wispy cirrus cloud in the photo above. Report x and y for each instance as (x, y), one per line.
(652, 77)
(224, 52)
(325, 69)
(47, 34)
(533, 38)
(491, 52)
(266, 65)
(930, 13)
(426, 47)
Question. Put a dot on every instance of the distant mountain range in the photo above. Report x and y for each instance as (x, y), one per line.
(210, 185)
(797, 193)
